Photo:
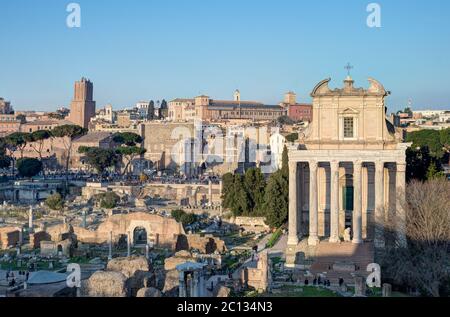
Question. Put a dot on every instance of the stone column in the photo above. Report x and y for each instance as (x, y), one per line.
(129, 244)
(210, 195)
(387, 290)
(400, 185)
(357, 204)
(201, 285)
(194, 284)
(334, 202)
(313, 216)
(30, 219)
(379, 204)
(293, 230)
(182, 285)
(110, 246)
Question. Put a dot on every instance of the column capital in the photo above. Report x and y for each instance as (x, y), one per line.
(313, 164)
(379, 165)
(357, 165)
(334, 165)
(401, 167)
(292, 164)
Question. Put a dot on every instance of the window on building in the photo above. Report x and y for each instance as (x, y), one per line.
(348, 128)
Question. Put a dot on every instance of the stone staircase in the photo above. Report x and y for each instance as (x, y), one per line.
(344, 260)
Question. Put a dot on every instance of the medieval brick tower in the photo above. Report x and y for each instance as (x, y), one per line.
(82, 108)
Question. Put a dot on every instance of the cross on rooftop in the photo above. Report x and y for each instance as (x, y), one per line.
(348, 67)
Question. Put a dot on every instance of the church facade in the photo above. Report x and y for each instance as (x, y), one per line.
(347, 172)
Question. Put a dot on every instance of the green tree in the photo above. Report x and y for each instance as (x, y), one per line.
(276, 200)
(29, 167)
(16, 142)
(227, 183)
(235, 196)
(129, 153)
(433, 172)
(254, 185)
(417, 163)
(444, 136)
(129, 148)
(37, 140)
(55, 202)
(99, 158)
(188, 219)
(5, 160)
(68, 133)
(427, 138)
(127, 138)
(292, 137)
(177, 214)
(285, 163)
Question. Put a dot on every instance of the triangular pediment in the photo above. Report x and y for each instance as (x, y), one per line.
(349, 111)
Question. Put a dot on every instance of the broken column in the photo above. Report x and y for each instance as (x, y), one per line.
(387, 290)
(182, 285)
(30, 218)
(110, 246)
(360, 287)
(129, 244)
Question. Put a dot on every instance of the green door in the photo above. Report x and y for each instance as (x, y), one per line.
(347, 198)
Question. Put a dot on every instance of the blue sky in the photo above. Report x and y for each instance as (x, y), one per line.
(152, 49)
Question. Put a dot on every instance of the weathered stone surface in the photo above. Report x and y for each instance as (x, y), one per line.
(179, 258)
(207, 244)
(60, 232)
(149, 292)
(136, 269)
(259, 277)
(36, 238)
(128, 266)
(105, 284)
(9, 236)
(161, 231)
(171, 283)
(223, 291)
(343, 267)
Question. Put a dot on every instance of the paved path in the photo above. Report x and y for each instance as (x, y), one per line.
(280, 246)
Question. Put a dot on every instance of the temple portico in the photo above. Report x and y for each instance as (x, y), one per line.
(332, 190)
(347, 171)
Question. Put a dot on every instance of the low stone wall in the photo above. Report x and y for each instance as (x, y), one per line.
(256, 224)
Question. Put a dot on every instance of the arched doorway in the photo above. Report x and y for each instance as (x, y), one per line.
(140, 236)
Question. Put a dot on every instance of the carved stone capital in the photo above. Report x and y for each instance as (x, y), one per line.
(313, 165)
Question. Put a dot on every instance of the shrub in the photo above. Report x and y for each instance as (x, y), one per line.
(108, 200)
(55, 202)
(274, 238)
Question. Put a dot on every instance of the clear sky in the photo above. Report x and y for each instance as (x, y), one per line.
(152, 49)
